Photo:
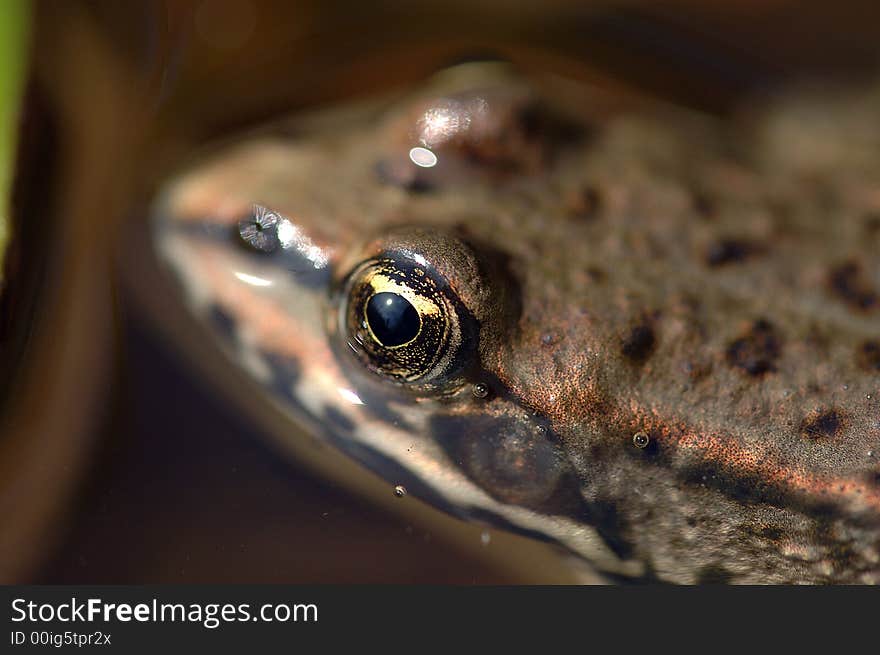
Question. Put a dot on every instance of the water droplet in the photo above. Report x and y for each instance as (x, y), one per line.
(400, 491)
(485, 538)
(641, 439)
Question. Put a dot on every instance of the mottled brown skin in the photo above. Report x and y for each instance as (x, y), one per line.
(710, 285)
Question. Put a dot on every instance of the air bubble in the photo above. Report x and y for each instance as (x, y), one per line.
(400, 491)
(480, 390)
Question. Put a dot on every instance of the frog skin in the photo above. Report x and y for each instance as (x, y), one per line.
(660, 331)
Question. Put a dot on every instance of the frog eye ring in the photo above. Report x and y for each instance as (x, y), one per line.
(403, 321)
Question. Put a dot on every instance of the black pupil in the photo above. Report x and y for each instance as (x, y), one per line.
(393, 319)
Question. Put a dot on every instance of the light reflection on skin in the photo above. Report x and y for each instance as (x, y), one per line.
(291, 236)
(350, 396)
(422, 157)
(253, 280)
(448, 119)
(442, 122)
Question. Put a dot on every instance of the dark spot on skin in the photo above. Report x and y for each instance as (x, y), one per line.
(400, 173)
(704, 204)
(597, 274)
(639, 342)
(823, 424)
(729, 251)
(874, 478)
(285, 373)
(756, 351)
(848, 283)
(222, 321)
(338, 420)
(872, 224)
(585, 203)
(714, 574)
(868, 356)
(771, 534)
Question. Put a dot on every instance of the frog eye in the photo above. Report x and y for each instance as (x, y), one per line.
(404, 322)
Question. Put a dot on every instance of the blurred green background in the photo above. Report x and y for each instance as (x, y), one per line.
(14, 30)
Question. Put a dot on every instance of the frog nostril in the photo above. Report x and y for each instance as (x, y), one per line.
(259, 230)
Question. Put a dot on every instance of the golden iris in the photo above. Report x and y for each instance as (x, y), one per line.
(401, 320)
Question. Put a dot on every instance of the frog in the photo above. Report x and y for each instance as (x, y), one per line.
(645, 334)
